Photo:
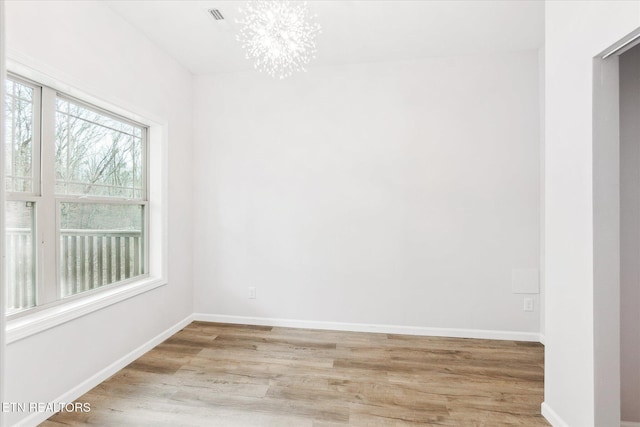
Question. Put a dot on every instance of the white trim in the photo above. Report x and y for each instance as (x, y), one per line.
(629, 424)
(2, 207)
(82, 388)
(622, 45)
(365, 327)
(41, 320)
(542, 338)
(551, 416)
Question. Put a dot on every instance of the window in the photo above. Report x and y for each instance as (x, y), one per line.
(21, 186)
(76, 188)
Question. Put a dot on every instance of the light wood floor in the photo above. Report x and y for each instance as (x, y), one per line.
(212, 374)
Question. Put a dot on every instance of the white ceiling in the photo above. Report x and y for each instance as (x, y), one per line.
(352, 31)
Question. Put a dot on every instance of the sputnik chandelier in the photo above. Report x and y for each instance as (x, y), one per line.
(278, 36)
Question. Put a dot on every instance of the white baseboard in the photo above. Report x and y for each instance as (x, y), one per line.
(551, 416)
(82, 388)
(542, 338)
(364, 327)
(555, 420)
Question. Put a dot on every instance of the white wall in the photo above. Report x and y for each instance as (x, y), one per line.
(388, 193)
(575, 32)
(541, 103)
(92, 45)
(630, 234)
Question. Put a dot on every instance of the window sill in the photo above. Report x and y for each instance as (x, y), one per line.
(31, 324)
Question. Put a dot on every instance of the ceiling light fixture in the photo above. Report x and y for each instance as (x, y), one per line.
(278, 36)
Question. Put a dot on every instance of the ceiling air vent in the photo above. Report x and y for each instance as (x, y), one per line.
(217, 15)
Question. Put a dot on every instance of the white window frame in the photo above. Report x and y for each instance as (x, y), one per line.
(70, 198)
(54, 313)
(35, 195)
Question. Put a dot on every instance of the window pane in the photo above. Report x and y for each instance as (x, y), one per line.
(96, 154)
(20, 267)
(18, 137)
(100, 244)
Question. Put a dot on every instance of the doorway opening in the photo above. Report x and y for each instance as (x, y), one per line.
(616, 238)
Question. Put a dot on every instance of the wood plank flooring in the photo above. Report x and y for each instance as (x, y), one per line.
(212, 374)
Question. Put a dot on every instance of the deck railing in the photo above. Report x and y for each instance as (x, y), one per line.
(19, 268)
(93, 258)
(88, 259)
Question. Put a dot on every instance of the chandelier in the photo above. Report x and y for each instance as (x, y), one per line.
(278, 36)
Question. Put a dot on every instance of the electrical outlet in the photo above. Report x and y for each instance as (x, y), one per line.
(528, 304)
(252, 292)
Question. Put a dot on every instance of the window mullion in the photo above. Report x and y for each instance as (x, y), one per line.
(47, 215)
(36, 188)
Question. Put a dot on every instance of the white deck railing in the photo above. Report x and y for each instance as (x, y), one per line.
(19, 268)
(89, 259)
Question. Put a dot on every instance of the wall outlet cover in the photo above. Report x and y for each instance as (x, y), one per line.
(528, 304)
